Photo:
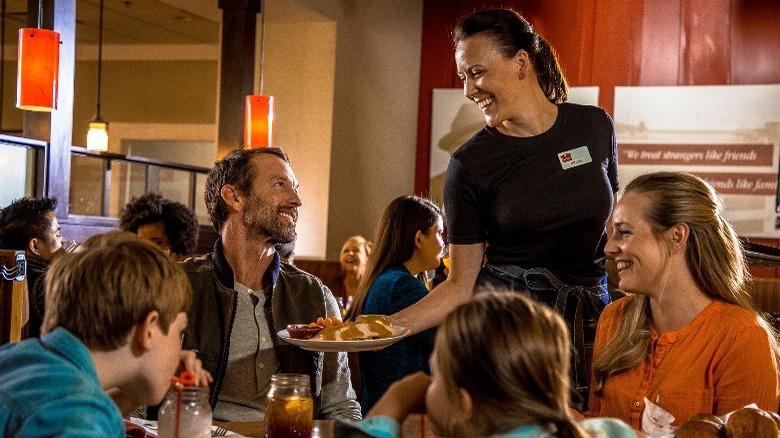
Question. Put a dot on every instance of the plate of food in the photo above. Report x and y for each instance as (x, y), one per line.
(368, 332)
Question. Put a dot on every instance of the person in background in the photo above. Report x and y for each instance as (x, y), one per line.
(116, 311)
(244, 295)
(443, 270)
(169, 224)
(286, 252)
(353, 259)
(532, 191)
(687, 339)
(408, 243)
(500, 368)
(30, 225)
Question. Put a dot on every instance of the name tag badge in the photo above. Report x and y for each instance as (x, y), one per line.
(575, 157)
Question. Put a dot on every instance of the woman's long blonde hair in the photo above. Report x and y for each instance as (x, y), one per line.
(511, 355)
(713, 253)
(403, 218)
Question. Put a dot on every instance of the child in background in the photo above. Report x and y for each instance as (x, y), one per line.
(169, 224)
(114, 317)
(500, 368)
(408, 243)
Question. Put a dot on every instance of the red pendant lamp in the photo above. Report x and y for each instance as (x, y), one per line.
(38, 67)
(259, 121)
(259, 109)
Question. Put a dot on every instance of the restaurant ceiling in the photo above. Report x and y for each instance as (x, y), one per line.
(133, 21)
(163, 22)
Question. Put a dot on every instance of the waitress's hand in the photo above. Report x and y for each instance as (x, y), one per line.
(465, 265)
(402, 398)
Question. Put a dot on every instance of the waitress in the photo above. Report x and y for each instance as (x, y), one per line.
(530, 194)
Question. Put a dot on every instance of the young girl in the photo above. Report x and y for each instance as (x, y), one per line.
(408, 243)
(500, 368)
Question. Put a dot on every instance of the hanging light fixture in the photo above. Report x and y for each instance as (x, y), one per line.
(97, 136)
(38, 67)
(259, 109)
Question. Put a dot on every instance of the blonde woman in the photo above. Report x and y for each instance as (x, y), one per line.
(688, 339)
(353, 259)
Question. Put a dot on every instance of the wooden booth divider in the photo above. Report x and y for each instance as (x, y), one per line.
(13, 296)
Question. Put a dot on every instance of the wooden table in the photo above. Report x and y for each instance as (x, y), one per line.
(254, 429)
(412, 428)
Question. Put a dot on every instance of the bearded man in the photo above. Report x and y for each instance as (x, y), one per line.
(243, 295)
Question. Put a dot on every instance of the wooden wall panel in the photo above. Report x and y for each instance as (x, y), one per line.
(56, 127)
(435, 54)
(755, 42)
(705, 42)
(616, 41)
(237, 71)
(586, 35)
(568, 28)
(660, 46)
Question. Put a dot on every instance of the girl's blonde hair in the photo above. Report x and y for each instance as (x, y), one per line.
(511, 355)
(713, 253)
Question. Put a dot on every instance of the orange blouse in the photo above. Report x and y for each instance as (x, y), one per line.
(718, 363)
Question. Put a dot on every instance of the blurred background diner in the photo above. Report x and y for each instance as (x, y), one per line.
(353, 260)
(30, 225)
(286, 252)
(169, 224)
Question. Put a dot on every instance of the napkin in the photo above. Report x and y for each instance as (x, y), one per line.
(150, 428)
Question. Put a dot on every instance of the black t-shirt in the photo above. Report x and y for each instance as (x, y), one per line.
(537, 201)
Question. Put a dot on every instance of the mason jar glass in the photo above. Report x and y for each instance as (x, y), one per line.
(185, 413)
(289, 408)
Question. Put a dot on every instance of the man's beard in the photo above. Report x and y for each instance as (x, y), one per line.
(263, 222)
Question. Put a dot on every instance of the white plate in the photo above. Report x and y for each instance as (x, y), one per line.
(338, 346)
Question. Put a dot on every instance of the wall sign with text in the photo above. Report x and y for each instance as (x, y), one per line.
(728, 135)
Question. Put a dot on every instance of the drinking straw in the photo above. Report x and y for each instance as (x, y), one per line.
(185, 379)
